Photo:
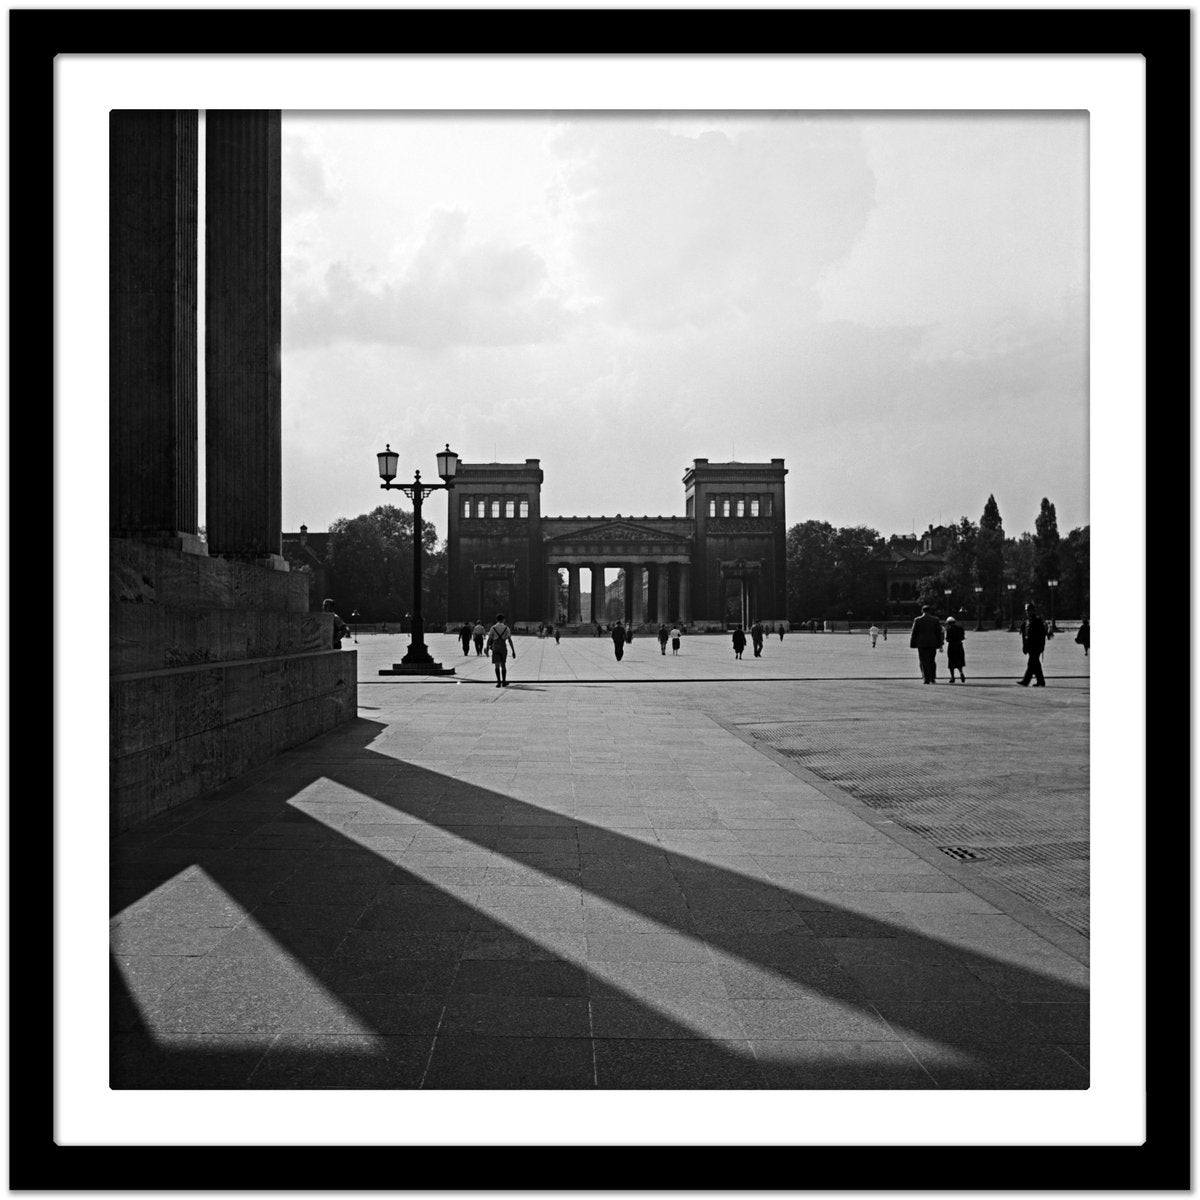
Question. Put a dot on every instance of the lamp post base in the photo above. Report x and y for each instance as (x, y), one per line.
(429, 668)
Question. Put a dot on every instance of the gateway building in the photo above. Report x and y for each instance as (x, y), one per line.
(722, 563)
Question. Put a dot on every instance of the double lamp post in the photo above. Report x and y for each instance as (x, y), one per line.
(418, 660)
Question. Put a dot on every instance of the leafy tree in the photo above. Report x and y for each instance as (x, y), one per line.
(1020, 556)
(371, 562)
(810, 561)
(989, 558)
(854, 581)
(1046, 559)
(960, 572)
(1075, 592)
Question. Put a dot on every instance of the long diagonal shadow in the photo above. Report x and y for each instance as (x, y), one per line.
(471, 939)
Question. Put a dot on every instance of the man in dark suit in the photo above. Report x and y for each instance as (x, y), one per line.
(926, 639)
(1033, 644)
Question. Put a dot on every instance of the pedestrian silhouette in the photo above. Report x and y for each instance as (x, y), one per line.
(926, 639)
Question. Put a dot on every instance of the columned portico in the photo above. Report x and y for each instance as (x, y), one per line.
(674, 569)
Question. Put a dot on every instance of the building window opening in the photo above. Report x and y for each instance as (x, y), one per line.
(725, 507)
(741, 506)
(712, 508)
(524, 507)
(495, 508)
(481, 508)
(766, 506)
(510, 508)
(754, 506)
(466, 509)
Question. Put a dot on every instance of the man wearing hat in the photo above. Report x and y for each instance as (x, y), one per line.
(926, 639)
(1033, 644)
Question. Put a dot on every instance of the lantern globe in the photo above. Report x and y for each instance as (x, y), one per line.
(447, 462)
(387, 464)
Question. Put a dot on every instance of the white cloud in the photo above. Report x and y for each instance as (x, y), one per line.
(452, 294)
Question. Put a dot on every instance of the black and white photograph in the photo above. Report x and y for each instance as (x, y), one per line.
(532, 529)
(843, 361)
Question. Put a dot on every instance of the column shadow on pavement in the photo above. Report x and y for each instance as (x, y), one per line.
(482, 941)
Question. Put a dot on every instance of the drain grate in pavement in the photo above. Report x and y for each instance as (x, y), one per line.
(962, 853)
(999, 802)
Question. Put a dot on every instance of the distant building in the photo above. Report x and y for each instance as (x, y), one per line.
(309, 552)
(905, 561)
(723, 562)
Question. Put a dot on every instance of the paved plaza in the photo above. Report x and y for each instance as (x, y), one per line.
(805, 871)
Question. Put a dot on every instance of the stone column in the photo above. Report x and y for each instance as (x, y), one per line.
(242, 330)
(627, 597)
(573, 614)
(597, 595)
(638, 613)
(663, 572)
(152, 227)
(685, 592)
(552, 582)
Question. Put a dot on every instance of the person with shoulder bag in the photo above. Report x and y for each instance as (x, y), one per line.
(500, 645)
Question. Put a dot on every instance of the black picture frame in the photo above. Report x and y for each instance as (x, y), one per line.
(1161, 36)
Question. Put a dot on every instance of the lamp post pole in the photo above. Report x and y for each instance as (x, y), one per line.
(947, 593)
(354, 619)
(978, 608)
(1052, 584)
(418, 660)
(1012, 587)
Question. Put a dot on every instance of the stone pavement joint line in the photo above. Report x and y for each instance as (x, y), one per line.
(605, 887)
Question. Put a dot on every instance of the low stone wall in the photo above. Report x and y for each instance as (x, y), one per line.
(215, 667)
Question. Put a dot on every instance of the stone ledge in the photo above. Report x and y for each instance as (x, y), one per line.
(191, 731)
(140, 573)
(156, 708)
(152, 637)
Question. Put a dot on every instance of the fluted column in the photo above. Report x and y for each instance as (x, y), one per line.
(153, 174)
(242, 333)
(552, 585)
(638, 612)
(685, 592)
(573, 616)
(597, 595)
(663, 573)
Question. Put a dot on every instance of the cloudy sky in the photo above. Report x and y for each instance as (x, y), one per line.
(895, 305)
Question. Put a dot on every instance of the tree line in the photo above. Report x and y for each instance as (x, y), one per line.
(834, 572)
(371, 563)
(831, 572)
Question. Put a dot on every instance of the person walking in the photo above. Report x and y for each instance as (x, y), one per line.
(557, 634)
(1033, 646)
(501, 644)
(477, 633)
(874, 632)
(739, 642)
(1084, 636)
(618, 640)
(926, 639)
(676, 634)
(464, 636)
(956, 655)
(756, 636)
(781, 631)
(662, 638)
